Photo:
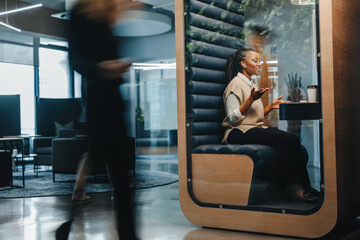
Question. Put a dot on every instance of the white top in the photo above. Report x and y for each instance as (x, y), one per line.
(232, 104)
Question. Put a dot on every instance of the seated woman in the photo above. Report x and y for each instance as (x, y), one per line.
(244, 124)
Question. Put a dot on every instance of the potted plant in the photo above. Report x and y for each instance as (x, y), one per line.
(295, 94)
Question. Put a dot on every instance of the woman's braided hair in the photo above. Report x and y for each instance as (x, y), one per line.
(233, 65)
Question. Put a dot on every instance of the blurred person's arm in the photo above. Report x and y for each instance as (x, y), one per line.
(112, 69)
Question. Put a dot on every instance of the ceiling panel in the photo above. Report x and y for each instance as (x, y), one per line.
(60, 4)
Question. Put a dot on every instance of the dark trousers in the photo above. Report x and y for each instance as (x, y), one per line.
(116, 156)
(292, 156)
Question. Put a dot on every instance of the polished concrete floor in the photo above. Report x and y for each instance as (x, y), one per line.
(157, 210)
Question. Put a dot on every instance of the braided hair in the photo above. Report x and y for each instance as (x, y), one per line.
(233, 65)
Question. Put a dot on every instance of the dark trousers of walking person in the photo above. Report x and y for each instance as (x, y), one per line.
(108, 142)
(292, 158)
(116, 159)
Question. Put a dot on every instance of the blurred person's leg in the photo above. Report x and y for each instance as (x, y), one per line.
(117, 167)
(84, 168)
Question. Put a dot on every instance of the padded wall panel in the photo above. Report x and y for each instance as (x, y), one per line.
(207, 88)
(202, 61)
(214, 38)
(200, 21)
(203, 101)
(216, 13)
(199, 128)
(206, 75)
(209, 49)
(214, 32)
(201, 115)
(229, 5)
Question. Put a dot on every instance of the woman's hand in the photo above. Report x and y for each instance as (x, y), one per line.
(275, 103)
(112, 69)
(255, 95)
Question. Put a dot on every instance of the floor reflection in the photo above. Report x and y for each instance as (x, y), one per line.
(158, 214)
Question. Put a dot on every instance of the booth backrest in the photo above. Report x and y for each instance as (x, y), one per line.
(215, 29)
(61, 111)
(10, 115)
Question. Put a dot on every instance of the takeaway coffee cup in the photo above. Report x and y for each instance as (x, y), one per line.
(312, 93)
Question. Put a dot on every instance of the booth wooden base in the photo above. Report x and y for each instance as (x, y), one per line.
(221, 178)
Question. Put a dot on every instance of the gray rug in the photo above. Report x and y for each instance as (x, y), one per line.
(44, 186)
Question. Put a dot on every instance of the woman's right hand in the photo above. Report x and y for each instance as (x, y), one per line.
(256, 94)
(112, 69)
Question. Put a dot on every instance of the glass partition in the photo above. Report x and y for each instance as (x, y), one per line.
(18, 79)
(150, 95)
(283, 34)
(53, 73)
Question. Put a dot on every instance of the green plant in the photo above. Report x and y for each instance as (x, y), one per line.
(139, 115)
(295, 90)
(295, 94)
(281, 17)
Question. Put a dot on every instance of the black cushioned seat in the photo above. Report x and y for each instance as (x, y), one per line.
(265, 158)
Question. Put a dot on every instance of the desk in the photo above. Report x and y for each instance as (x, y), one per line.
(26, 141)
(7, 145)
(300, 111)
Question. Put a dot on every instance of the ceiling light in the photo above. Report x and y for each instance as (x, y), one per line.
(303, 2)
(163, 5)
(20, 9)
(137, 23)
(11, 27)
(15, 11)
(154, 66)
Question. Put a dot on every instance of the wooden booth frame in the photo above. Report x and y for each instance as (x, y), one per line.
(341, 168)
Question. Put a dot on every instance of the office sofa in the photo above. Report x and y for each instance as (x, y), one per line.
(51, 116)
(68, 149)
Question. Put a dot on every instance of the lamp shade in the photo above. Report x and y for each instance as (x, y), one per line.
(136, 23)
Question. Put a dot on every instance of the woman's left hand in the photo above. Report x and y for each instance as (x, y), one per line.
(275, 103)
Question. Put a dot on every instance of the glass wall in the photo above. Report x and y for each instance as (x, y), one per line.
(152, 110)
(19, 79)
(54, 80)
(19, 76)
(284, 34)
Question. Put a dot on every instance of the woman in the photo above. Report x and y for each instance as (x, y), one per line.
(244, 123)
(93, 52)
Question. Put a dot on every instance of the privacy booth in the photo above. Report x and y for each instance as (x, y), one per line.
(302, 44)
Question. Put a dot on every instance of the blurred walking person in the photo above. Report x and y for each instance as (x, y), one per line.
(93, 52)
